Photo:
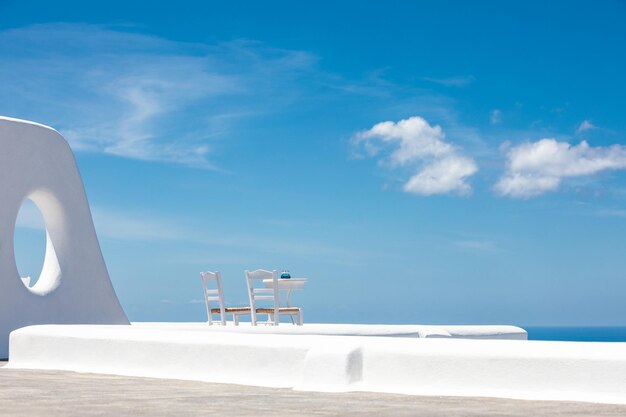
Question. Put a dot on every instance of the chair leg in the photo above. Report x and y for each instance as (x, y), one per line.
(300, 320)
(236, 319)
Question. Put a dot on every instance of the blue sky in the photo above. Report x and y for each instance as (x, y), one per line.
(419, 162)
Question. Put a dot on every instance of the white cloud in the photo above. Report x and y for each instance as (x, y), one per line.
(496, 117)
(415, 137)
(443, 176)
(415, 144)
(140, 96)
(523, 186)
(538, 167)
(584, 126)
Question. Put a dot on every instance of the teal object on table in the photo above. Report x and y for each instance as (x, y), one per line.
(285, 275)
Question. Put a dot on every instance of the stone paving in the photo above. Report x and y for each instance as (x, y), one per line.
(57, 393)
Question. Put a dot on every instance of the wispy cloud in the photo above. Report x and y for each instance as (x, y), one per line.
(537, 167)
(457, 81)
(612, 213)
(113, 224)
(124, 225)
(477, 245)
(584, 126)
(414, 143)
(495, 117)
(140, 96)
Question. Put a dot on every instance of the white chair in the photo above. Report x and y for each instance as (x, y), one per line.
(268, 294)
(217, 295)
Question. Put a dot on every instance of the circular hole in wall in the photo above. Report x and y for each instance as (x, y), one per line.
(29, 243)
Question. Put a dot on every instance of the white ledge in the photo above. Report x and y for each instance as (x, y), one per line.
(537, 370)
(332, 329)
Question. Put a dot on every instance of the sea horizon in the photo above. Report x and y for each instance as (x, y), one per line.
(577, 333)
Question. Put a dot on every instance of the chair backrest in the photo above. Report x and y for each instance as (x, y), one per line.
(258, 290)
(213, 292)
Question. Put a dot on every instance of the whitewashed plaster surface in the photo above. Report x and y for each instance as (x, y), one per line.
(74, 286)
(336, 329)
(538, 370)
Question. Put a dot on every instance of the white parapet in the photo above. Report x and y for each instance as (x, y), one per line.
(539, 370)
(343, 329)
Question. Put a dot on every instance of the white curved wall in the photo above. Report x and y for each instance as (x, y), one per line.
(74, 286)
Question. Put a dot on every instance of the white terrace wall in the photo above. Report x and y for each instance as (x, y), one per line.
(524, 369)
(74, 287)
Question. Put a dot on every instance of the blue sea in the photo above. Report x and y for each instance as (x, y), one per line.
(577, 334)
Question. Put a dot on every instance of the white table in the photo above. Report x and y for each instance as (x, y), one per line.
(287, 285)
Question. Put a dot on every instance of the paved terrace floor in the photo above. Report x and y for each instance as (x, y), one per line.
(31, 393)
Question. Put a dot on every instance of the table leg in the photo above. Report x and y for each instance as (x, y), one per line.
(288, 301)
(288, 298)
